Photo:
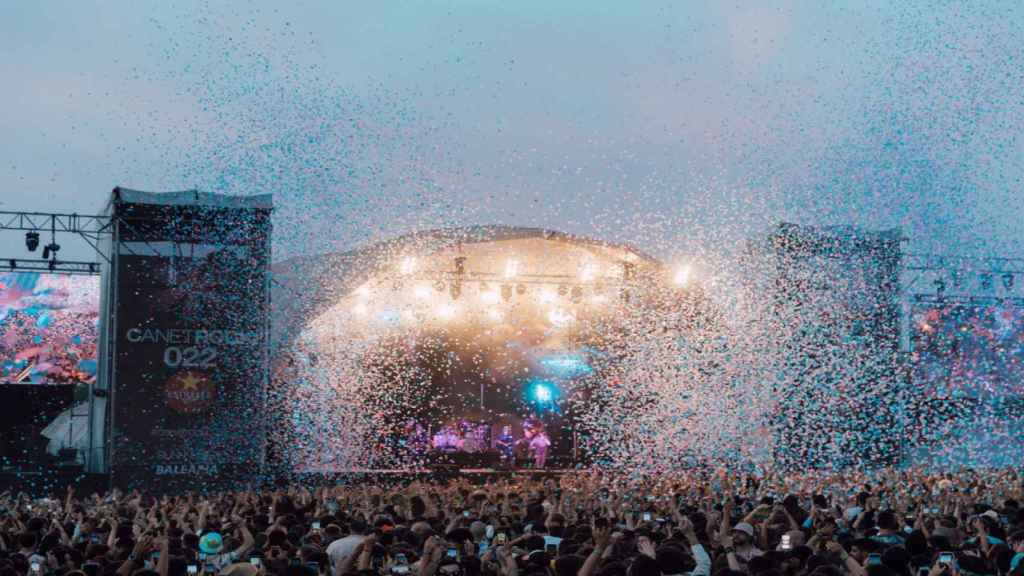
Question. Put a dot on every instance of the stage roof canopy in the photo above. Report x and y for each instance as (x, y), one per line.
(492, 278)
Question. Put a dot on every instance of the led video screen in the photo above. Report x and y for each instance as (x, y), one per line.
(49, 326)
(974, 352)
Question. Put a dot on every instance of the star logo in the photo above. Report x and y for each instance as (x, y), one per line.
(190, 382)
(189, 392)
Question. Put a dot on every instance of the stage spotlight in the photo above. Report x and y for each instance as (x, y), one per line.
(588, 272)
(940, 287)
(445, 311)
(511, 269)
(986, 281)
(32, 241)
(506, 292)
(576, 295)
(50, 249)
(520, 289)
(559, 317)
(408, 265)
(489, 296)
(359, 309)
(546, 296)
(1008, 281)
(542, 393)
(563, 290)
(439, 285)
(682, 276)
(495, 314)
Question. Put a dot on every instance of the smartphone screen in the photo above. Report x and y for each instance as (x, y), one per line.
(947, 558)
(785, 542)
(193, 569)
(489, 534)
(874, 559)
(453, 552)
(500, 539)
(646, 516)
(255, 561)
(316, 525)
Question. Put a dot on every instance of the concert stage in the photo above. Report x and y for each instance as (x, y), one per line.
(478, 340)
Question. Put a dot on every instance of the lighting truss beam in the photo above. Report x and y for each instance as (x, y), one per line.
(63, 267)
(45, 222)
(90, 228)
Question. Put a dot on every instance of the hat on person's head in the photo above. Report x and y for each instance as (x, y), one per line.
(211, 543)
(744, 527)
(991, 514)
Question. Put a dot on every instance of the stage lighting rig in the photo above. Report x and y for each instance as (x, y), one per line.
(986, 281)
(1008, 281)
(32, 241)
(577, 294)
(506, 292)
(460, 273)
(50, 249)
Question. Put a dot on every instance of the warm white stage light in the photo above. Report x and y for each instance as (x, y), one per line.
(588, 272)
(511, 268)
(546, 295)
(408, 265)
(446, 311)
(682, 276)
(363, 290)
(359, 309)
(421, 291)
(489, 296)
(495, 314)
(560, 317)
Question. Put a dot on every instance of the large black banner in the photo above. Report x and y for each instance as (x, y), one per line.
(191, 338)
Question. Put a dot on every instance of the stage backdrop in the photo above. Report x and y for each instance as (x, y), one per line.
(190, 338)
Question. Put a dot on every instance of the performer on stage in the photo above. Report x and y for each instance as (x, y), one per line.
(447, 439)
(506, 444)
(415, 436)
(539, 446)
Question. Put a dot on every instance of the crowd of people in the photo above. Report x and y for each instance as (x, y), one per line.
(698, 523)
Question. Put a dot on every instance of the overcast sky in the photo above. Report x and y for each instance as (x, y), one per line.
(677, 126)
